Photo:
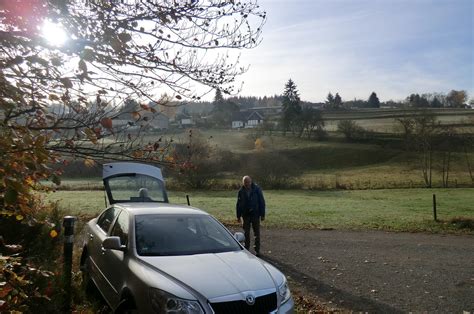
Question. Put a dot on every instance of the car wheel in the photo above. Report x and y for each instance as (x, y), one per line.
(87, 283)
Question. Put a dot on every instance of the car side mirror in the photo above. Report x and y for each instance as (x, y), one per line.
(239, 236)
(113, 243)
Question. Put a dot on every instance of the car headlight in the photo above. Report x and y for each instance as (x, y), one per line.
(164, 302)
(284, 292)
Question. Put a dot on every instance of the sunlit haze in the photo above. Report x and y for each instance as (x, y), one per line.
(54, 33)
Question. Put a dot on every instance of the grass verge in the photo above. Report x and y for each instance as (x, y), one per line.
(393, 210)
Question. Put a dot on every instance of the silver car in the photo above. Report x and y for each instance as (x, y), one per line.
(148, 256)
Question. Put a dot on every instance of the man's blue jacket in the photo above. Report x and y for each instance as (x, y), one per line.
(252, 204)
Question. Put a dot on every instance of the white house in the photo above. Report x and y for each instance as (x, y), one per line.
(239, 120)
(246, 119)
(254, 119)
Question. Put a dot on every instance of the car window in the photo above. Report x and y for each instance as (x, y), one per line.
(120, 228)
(158, 235)
(211, 231)
(106, 219)
(136, 188)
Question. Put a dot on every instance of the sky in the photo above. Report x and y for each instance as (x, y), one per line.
(355, 47)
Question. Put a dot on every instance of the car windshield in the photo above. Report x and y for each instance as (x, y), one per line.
(168, 235)
(136, 188)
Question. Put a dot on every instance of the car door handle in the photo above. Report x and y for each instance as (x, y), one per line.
(103, 250)
(91, 236)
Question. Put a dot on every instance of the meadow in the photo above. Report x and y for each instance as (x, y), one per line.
(330, 184)
(394, 210)
(334, 163)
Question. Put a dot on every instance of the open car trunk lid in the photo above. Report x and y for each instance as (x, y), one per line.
(126, 182)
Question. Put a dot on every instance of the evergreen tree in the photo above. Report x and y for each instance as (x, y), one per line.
(337, 102)
(417, 101)
(291, 106)
(223, 110)
(329, 103)
(435, 103)
(218, 98)
(373, 101)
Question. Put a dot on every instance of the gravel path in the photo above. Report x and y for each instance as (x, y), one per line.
(377, 271)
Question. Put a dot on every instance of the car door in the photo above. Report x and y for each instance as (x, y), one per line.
(97, 233)
(114, 268)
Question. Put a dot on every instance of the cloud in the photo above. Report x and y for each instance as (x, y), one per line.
(356, 47)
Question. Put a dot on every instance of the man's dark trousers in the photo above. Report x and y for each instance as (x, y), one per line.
(255, 222)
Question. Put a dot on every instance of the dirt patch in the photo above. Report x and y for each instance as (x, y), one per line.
(374, 271)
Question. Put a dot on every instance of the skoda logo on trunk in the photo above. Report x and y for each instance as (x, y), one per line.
(250, 299)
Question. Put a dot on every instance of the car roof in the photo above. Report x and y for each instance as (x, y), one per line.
(147, 208)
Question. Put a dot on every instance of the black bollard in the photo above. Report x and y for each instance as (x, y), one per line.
(68, 224)
(187, 198)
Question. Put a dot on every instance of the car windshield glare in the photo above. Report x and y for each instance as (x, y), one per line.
(170, 235)
(136, 188)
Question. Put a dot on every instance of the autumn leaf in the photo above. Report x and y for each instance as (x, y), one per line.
(53, 97)
(88, 54)
(89, 163)
(56, 62)
(5, 290)
(30, 181)
(125, 37)
(116, 44)
(53, 233)
(91, 135)
(66, 82)
(106, 123)
(136, 115)
(82, 66)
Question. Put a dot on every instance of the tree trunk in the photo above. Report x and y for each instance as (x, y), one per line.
(466, 155)
(447, 169)
(431, 165)
(426, 165)
(443, 170)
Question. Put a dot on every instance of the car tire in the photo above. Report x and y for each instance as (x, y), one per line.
(87, 283)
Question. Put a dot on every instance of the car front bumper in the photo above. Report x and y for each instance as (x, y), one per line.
(287, 307)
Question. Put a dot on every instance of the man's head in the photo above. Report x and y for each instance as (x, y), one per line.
(247, 182)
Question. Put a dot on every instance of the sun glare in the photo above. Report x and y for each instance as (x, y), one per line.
(54, 33)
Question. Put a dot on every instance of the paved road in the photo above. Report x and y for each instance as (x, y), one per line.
(378, 271)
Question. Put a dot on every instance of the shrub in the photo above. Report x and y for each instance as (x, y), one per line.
(30, 249)
(350, 129)
(196, 161)
(271, 170)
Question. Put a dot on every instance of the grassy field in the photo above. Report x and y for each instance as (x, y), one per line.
(395, 210)
(384, 120)
(331, 164)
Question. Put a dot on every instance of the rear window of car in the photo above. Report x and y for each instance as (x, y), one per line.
(169, 235)
(136, 188)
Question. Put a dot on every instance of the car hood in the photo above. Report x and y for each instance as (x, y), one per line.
(216, 275)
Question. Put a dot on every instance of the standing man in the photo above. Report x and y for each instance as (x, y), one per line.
(251, 207)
